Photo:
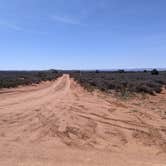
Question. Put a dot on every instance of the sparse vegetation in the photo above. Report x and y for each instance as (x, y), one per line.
(123, 82)
(11, 79)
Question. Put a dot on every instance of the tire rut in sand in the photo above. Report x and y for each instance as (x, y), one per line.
(65, 112)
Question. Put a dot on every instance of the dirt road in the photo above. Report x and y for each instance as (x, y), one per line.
(59, 123)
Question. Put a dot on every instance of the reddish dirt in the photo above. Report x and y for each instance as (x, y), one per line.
(60, 123)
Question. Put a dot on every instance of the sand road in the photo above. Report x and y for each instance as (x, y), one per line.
(59, 123)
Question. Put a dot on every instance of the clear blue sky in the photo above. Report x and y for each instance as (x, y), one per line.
(82, 34)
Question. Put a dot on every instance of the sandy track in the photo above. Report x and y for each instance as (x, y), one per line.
(59, 123)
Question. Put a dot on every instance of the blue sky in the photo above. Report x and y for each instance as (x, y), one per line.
(82, 34)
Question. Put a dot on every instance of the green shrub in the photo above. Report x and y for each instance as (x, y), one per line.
(155, 72)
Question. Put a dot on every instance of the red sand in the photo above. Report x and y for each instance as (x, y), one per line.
(59, 123)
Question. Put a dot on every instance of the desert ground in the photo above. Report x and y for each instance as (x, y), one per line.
(58, 123)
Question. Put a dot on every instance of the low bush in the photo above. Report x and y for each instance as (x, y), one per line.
(123, 82)
(155, 72)
(11, 79)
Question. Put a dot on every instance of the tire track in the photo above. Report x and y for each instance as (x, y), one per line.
(65, 114)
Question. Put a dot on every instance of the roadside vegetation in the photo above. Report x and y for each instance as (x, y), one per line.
(121, 81)
(150, 82)
(11, 79)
